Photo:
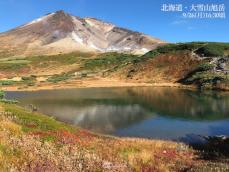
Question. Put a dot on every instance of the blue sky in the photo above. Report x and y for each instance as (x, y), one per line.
(139, 15)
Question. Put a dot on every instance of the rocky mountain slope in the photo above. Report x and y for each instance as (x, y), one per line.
(60, 32)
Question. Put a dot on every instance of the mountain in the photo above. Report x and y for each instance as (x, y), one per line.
(61, 32)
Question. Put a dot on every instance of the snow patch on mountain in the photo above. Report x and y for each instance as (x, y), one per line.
(76, 38)
(94, 46)
(112, 48)
(39, 20)
(90, 22)
(145, 50)
(127, 48)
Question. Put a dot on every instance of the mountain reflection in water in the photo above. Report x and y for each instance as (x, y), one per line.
(164, 113)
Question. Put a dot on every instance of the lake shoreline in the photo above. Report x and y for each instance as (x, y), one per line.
(93, 83)
(100, 82)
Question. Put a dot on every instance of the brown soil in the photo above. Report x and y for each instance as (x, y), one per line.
(90, 83)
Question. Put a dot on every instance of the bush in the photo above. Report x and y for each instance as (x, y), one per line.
(7, 82)
(179, 47)
(61, 59)
(8, 101)
(173, 48)
(30, 80)
(150, 54)
(211, 50)
(206, 79)
(108, 60)
(24, 78)
(57, 78)
(11, 66)
(205, 67)
(168, 48)
(3, 100)
(2, 94)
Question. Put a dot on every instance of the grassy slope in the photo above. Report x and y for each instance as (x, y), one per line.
(34, 142)
(176, 63)
(37, 64)
(167, 64)
(163, 68)
(58, 68)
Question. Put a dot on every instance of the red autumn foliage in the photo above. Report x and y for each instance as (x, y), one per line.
(66, 137)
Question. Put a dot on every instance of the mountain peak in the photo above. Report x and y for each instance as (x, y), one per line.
(60, 12)
(61, 32)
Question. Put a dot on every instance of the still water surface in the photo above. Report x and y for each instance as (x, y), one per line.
(161, 113)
